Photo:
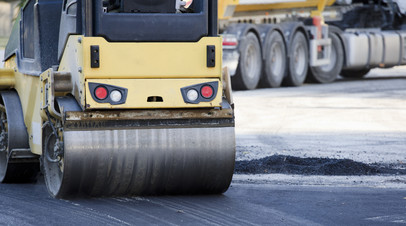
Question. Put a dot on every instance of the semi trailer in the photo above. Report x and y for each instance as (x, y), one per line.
(272, 42)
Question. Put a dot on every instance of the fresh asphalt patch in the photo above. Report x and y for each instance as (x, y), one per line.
(283, 164)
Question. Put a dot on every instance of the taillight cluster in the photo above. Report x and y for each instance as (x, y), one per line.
(103, 93)
(203, 92)
(229, 41)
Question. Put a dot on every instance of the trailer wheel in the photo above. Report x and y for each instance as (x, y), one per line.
(298, 60)
(275, 61)
(329, 73)
(250, 64)
(355, 74)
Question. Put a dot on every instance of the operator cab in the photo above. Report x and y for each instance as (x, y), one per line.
(40, 43)
(139, 20)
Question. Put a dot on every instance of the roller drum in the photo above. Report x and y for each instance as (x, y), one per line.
(145, 162)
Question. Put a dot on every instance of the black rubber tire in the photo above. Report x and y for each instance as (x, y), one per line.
(329, 73)
(21, 173)
(249, 66)
(355, 74)
(298, 60)
(275, 61)
(16, 172)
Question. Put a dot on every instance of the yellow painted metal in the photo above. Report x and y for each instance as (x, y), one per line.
(147, 60)
(7, 79)
(140, 89)
(320, 8)
(285, 5)
(28, 87)
(72, 61)
(132, 62)
(50, 82)
(226, 8)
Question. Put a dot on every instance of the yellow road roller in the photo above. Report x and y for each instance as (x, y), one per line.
(117, 98)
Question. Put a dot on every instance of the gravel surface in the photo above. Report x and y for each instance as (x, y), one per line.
(314, 166)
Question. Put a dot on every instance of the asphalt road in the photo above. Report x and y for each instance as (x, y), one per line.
(363, 121)
(242, 204)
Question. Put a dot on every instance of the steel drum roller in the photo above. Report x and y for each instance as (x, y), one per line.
(144, 162)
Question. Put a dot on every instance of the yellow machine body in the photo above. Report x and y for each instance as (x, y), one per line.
(112, 117)
(28, 88)
(149, 69)
(127, 65)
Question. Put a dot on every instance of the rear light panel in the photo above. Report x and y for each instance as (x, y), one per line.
(230, 41)
(103, 93)
(203, 92)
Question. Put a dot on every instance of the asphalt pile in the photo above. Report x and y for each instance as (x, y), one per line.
(314, 166)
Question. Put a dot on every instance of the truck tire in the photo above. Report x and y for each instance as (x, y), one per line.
(250, 64)
(298, 60)
(355, 74)
(275, 61)
(329, 73)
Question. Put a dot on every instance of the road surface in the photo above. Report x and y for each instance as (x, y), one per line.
(242, 204)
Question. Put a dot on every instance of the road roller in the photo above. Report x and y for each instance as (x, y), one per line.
(117, 98)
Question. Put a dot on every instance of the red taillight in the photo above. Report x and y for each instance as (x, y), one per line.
(207, 91)
(101, 93)
(230, 41)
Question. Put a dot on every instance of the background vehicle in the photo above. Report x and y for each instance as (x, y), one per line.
(267, 43)
(96, 91)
